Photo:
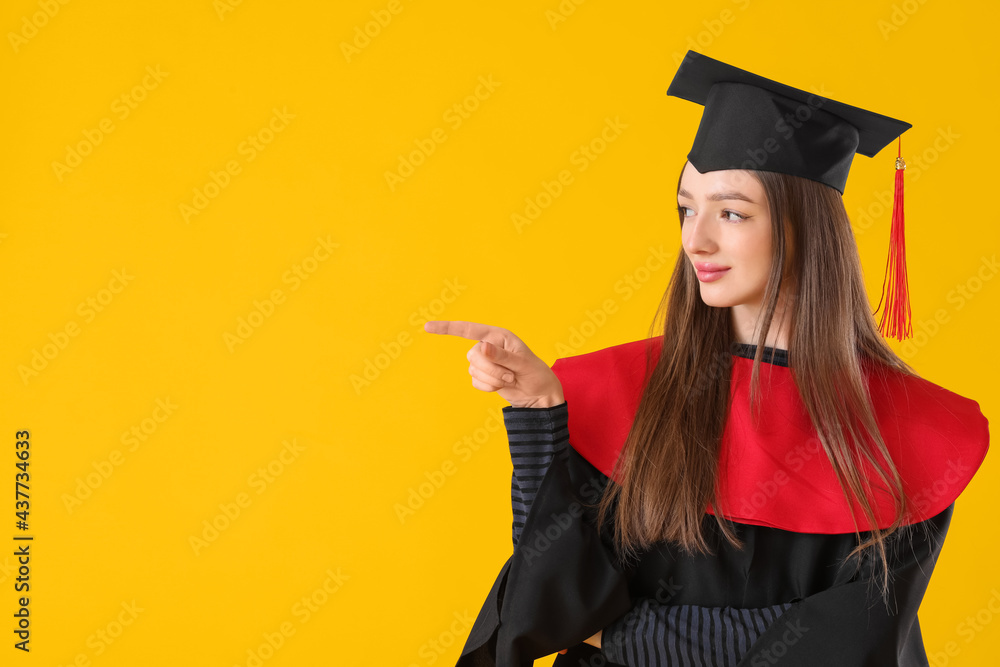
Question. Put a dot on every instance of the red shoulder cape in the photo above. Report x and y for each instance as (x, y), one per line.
(776, 474)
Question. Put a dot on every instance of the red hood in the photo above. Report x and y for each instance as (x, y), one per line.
(775, 473)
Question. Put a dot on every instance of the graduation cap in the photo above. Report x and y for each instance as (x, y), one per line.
(751, 122)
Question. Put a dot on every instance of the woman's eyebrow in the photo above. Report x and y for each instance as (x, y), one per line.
(719, 196)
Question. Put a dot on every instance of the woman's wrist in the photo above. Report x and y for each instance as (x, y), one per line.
(550, 401)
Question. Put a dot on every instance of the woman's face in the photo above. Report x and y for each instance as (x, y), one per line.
(726, 225)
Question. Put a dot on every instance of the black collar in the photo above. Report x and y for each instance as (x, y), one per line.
(772, 355)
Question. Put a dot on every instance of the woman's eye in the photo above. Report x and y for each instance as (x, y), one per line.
(737, 217)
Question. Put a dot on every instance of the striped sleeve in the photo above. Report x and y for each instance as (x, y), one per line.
(657, 635)
(535, 435)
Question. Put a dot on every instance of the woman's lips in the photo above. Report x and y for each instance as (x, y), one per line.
(709, 276)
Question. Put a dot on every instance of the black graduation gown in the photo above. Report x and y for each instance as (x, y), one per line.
(787, 596)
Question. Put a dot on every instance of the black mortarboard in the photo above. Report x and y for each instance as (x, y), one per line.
(751, 122)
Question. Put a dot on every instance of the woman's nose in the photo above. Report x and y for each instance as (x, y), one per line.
(696, 235)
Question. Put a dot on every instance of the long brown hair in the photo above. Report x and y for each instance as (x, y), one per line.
(667, 471)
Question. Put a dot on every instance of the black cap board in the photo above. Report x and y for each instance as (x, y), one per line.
(751, 122)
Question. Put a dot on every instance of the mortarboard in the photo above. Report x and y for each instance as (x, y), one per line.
(751, 122)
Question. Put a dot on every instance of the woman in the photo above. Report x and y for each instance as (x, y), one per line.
(777, 481)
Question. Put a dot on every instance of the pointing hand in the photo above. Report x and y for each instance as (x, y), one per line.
(501, 362)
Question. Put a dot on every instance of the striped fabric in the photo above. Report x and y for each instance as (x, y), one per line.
(685, 635)
(535, 436)
(651, 634)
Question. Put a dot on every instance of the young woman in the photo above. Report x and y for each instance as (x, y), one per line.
(765, 479)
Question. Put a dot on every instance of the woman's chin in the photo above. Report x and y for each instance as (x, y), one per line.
(716, 298)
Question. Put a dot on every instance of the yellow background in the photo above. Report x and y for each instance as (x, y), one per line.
(439, 239)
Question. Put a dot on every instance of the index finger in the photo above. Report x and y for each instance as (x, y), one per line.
(470, 330)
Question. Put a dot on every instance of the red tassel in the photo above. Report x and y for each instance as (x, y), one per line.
(898, 304)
